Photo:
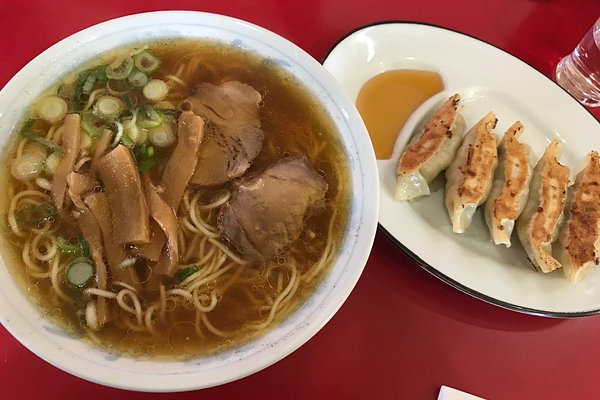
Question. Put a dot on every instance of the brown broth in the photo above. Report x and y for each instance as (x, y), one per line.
(387, 100)
(294, 125)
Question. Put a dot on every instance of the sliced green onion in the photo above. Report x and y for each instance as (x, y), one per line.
(118, 87)
(109, 107)
(162, 136)
(186, 272)
(28, 132)
(118, 134)
(86, 80)
(52, 109)
(90, 130)
(144, 157)
(128, 102)
(135, 133)
(76, 96)
(64, 247)
(35, 215)
(165, 106)
(147, 165)
(41, 141)
(64, 91)
(28, 165)
(88, 85)
(127, 141)
(101, 77)
(120, 68)
(137, 50)
(85, 247)
(155, 90)
(146, 62)
(148, 117)
(80, 248)
(79, 273)
(137, 79)
(141, 152)
(28, 126)
(51, 163)
(92, 125)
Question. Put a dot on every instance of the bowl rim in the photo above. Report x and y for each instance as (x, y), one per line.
(28, 334)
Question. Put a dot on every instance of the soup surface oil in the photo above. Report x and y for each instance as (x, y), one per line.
(387, 100)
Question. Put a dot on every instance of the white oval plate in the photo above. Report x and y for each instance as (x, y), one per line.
(488, 79)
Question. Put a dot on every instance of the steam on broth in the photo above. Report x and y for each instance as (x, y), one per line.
(135, 186)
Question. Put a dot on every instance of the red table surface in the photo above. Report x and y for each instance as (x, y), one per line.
(401, 333)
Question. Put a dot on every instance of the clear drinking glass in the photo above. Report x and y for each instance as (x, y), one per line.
(579, 72)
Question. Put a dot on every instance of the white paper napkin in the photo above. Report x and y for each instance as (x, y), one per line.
(448, 393)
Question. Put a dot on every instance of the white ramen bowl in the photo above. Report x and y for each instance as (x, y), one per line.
(25, 321)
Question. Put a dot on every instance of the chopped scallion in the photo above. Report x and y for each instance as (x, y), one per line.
(92, 125)
(128, 102)
(101, 74)
(162, 136)
(155, 90)
(29, 165)
(51, 163)
(109, 107)
(148, 117)
(118, 87)
(171, 112)
(28, 132)
(88, 85)
(76, 96)
(81, 248)
(85, 247)
(146, 165)
(120, 68)
(127, 141)
(137, 79)
(135, 133)
(79, 273)
(52, 109)
(64, 247)
(34, 215)
(141, 152)
(186, 272)
(146, 62)
(144, 156)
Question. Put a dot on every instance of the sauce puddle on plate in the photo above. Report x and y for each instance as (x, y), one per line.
(387, 100)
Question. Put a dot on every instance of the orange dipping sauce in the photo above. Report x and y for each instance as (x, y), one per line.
(387, 100)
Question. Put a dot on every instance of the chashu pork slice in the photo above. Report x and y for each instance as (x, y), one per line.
(233, 136)
(580, 235)
(430, 152)
(267, 212)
